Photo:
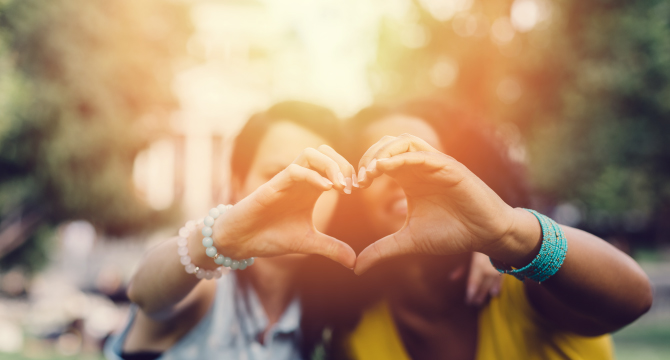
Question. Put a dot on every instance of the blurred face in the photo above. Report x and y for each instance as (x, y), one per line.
(385, 200)
(281, 144)
(418, 280)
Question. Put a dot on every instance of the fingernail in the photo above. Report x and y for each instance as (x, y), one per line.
(354, 179)
(325, 180)
(372, 165)
(340, 177)
(470, 293)
(361, 174)
(347, 191)
(348, 186)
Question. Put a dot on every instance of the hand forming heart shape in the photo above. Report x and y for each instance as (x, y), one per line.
(450, 210)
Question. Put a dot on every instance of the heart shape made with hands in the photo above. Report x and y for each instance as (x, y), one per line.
(449, 209)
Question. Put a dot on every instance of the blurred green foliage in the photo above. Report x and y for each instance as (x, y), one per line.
(84, 86)
(594, 108)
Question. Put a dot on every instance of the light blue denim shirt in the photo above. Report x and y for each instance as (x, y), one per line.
(230, 330)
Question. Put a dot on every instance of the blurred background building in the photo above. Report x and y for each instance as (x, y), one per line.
(117, 119)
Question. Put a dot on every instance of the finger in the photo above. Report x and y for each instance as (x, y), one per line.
(346, 169)
(482, 293)
(427, 161)
(484, 280)
(354, 178)
(388, 148)
(457, 273)
(322, 163)
(295, 173)
(364, 179)
(497, 285)
(330, 247)
(475, 278)
(402, 144)
(382, 249)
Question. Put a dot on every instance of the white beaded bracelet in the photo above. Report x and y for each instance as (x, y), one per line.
(208, 242)
(182, 250)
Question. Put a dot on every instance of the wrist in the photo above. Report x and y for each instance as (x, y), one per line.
(223, 241)
(197, 252)
(522, 241)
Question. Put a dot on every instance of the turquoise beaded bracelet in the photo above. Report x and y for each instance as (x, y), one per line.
(208, 242)
(552, 253)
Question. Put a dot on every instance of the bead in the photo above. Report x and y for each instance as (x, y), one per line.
(211, 251)
(214, 212)
(207, 231)
(218, 273)
(190, 268)
(218, 259)
(551, 256)
(207, 241)
(209, 221)
(184, 232)
(250, 261)
(190, 225)
(243, 265)
(229, 206)
(185, 260)
(222, 208)
(199, 222)
(182, 242)
(182, 250)
(234, 265)
(209, 274)
(227, 261)
(200, 273)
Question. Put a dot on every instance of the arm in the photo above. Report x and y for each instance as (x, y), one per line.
(599, 289)
(450, 210)
(276, 219)
(160, 286)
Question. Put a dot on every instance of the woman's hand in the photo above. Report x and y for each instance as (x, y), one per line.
(276, 219)
(450, 210)
(484, 281)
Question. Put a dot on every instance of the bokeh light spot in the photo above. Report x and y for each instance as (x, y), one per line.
(524, 15)
(502, 31)
(415, 36)
(509, 90)
(443, 74)
(444, 10)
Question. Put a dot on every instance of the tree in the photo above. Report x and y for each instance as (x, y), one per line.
(85, 86)
(588, 88)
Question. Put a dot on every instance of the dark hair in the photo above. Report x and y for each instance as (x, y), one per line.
(315, 118)
(469, 139)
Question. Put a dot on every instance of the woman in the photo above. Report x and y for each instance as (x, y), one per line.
(256, 312)
(462, 203)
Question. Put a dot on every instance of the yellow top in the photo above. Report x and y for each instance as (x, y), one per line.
(509, 328)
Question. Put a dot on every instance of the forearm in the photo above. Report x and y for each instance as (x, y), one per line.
(598, 287)
(160, 285)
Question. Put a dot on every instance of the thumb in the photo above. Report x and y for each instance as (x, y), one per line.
(475, 279)
(382, 249)
(330, 247)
